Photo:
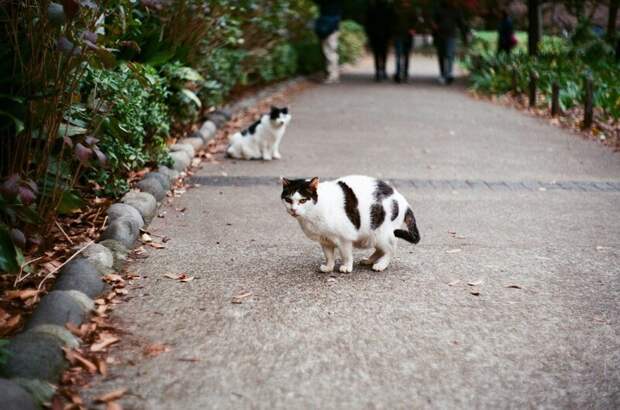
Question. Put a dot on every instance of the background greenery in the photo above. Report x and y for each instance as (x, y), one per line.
(566, 61)
(92, 90)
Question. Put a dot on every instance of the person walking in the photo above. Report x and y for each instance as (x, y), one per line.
(506, 39)
(379, 18)
(405, 19)
(446, 20)
(327, 29)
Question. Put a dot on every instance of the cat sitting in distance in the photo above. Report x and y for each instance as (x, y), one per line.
(353, 211)
(261, 140)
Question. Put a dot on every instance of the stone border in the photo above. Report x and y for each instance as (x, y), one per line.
(36, 359)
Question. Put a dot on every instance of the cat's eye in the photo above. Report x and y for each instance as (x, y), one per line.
(302, 201)
(289, 200)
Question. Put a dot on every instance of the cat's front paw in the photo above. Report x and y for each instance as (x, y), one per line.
(276, 155)
(266, 158)
(326, 268)
(346, 269)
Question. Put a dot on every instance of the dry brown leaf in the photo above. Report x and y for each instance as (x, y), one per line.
(239, 298)
(111, 396)
(155, 349)
(181, 277)
(475, 292)
(113, 277)
(105, 340)
(514, 286)
(22, 294)
(74, 357)
(156, 245)
(102, 366)
(112, 405)
(10, 324)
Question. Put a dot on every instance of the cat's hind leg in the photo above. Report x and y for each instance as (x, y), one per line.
(330, 258)
(372, 258)
(346, 251)
(387, 244)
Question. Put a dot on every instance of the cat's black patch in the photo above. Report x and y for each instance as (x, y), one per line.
(394, 209)
(275, 112)
(377, 216)
(351, 205)
(383, 190)
(299, 185)
(411, 234)
(251, 129)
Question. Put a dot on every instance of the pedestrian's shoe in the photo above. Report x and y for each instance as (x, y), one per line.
(441, 81)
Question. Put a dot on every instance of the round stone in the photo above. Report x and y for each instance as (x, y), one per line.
(153, 187)
(144, 202)
(60, 307)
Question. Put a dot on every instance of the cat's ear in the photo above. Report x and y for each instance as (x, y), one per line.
(285, 182)
(314, 183)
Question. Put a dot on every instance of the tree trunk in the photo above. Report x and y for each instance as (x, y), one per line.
(534, 28)
(611, 22)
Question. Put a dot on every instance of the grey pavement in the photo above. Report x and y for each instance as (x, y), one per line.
(415, 335)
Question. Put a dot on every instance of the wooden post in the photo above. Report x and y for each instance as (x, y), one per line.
(533, 81)
(555, 99)
(588, 112)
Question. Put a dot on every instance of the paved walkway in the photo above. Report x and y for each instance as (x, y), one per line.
(501, 199)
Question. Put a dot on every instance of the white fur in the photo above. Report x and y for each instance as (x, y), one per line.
(326, 222)
(264, 143)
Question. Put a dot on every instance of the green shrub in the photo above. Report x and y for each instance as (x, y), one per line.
(351, 44)
(565, 61)
(129, 115)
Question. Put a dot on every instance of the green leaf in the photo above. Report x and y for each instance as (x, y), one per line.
(190, 94)
(8, 252)
(69, 203)
(69, 130)
(19, 124)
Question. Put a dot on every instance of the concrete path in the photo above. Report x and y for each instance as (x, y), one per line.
(501, 199)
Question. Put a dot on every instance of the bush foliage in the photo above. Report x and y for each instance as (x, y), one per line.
(565, 61)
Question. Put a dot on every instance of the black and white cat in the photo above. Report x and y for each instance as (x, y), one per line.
(261, 139)
(353, 211)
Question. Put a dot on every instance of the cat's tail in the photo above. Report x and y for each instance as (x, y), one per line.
(411, 234)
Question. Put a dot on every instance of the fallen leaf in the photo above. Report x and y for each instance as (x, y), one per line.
(156, 245)
(239, 298)
(514, 286)
(188, 359)
(180, 209)
(10, 324)
(454, 282)
(112, 405)
(105, 340)
(113, 277)
(22, 294)
(457, 250)
(155, 349)
(475, 292)
(74, 357)
(476, 283)
(102, 367)
(121, 291)
(181, 277)
(111, 396)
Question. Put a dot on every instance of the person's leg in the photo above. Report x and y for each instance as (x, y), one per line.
(384, 52)
(406, 56)
(398, 53)
(330, 49)
(450, 53)
(439, 45)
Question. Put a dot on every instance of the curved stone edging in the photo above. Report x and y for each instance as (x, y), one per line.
(36, 359)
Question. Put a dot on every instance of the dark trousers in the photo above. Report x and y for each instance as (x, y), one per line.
(402, 46)
(380, 51)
